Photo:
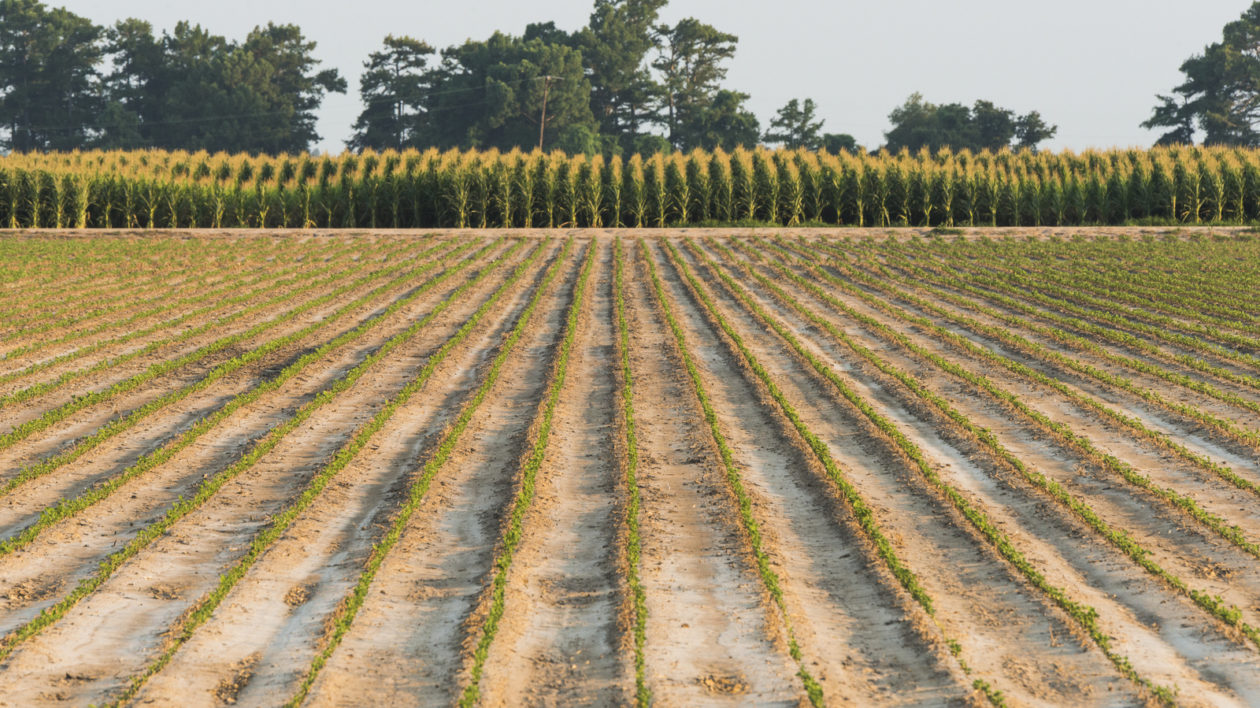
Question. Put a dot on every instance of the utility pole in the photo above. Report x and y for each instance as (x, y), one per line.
(542, 121)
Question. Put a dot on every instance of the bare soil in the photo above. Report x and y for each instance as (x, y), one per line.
(78, 630)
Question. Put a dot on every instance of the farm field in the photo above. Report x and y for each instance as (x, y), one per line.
(686, 468)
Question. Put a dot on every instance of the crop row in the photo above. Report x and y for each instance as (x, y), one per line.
(1117, 537)
(430, 189)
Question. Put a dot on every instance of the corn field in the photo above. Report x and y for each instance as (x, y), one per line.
(414, 189)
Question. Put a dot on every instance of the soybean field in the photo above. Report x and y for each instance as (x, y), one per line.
(681, 467)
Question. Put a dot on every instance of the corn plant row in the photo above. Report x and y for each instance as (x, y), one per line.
(248, 285)
(527, 478)
(1082, 344)
(1120, 538)
(413, 189)
(1223, 426)
(1123, 339)
(55, 415)
(930, 281)
(117, 426)
(305, 282)
(70, 506)
(752, 531)
(1181, 502)
(630, 462)
(105, 297)
(245, 279)
(1153, 269)
(95, 303)
(202, 611)
(1169, 313)
(1213, 272)
(1083, 614)
(1123, 325)
(823, 454)
(98, 284)
(339, 623)
(184, 507)
(1073, 293)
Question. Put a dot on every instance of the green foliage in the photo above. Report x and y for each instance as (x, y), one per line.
(691, 66)
(794, 126)
(1219, 93)
(918, 124)
(191, 89)
(348, 609)
(490, 94)
(392, 89)
(634, 545)
(615, 45)
(49, 83)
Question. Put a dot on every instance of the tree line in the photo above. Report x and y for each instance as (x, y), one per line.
(624, 84)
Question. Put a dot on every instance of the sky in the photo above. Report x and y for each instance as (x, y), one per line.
(1092, 67)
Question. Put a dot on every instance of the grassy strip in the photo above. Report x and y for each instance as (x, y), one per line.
(44, 387)
(257, 281)
(769, 578)
(70, 506)
(119, 425)
(634, 545)
(339, 623)
(525, 494)
(1184, 503)
(1121, 539)
(55, 415)
(201, 613)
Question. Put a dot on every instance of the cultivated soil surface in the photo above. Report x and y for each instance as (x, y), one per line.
(615, 467)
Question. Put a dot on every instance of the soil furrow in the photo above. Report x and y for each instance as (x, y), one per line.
(1168, 639)
(280, 607)
(187, 560)
(559, 641)
(978, 597)
(405, 643)
(22, 506)
(112, 522)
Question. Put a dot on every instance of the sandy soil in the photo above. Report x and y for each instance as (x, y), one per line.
(714, 633)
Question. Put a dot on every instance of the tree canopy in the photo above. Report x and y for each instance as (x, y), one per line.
(918, 124)
(624, 83)
(1221, 93)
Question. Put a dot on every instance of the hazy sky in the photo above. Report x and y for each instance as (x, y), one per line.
(1091, 66)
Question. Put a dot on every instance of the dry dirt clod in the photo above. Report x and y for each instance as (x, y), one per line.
(724, 685)
(297, 596)
(230, 687)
